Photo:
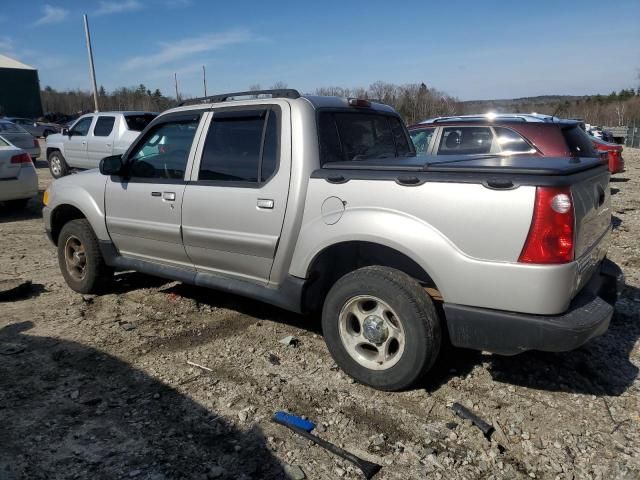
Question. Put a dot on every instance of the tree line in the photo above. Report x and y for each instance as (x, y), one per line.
(414, 102)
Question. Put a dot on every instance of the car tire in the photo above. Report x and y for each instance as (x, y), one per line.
(57, 164)
(81, 262)
(381, 328)
(19, 204)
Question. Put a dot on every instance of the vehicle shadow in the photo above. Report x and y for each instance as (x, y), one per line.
(70, 411)
(602, 366)
(615, 222)
(32, 211)
(618, 180)
(247, 306)
(614, 191)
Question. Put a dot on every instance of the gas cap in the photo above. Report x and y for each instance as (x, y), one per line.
(332, 210)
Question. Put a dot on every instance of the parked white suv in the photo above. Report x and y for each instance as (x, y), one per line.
(93, 137)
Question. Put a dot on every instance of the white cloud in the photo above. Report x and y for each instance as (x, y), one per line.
(182, 49)
(109, 7)
(51, 14)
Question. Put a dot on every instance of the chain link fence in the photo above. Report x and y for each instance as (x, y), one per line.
(633, 135)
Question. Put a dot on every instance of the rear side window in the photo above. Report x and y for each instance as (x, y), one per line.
(3, 143)
(512, 142)
(422, 138)
(241, 146)
(348, 137)
(578, 142)
(104, 126)
(11, 128)
(465, 141)
(137, 123)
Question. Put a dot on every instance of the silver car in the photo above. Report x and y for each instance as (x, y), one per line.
(18, 177)
(18, 136)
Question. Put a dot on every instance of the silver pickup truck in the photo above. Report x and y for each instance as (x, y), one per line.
(312, 203)
(93, 137)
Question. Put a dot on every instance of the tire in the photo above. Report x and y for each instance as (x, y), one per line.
(57, 164)
(84, 271)
(19, 204)
(403, 313)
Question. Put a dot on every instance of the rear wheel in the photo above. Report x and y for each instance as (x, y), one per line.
(57, 164)
(381, 327)
(80, 260)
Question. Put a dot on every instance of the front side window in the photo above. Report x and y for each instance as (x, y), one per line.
(465, 141)
(241, 146)
(104, 126)
(81, 128)
(422, 138)
(164, 151)
(512, 142)
(349, 137)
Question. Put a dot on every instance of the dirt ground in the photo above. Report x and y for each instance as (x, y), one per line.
(102, 387)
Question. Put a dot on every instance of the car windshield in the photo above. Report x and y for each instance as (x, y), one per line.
(8, 127)
(353, 136)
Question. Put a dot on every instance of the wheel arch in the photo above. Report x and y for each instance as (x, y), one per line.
(336, 260)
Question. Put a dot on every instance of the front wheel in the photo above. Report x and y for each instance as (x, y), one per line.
(57, 164)
(80, 259)
(381, 327)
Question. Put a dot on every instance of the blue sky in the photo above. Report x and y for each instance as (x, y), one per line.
(470, 49)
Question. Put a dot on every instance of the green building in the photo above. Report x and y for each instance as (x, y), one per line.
(19, 89)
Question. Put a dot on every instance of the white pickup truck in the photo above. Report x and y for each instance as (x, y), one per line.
(93, 137)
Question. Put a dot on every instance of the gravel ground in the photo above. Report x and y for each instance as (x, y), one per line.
(103, 389)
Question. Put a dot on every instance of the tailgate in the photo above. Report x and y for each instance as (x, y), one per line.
(8, 169)
(592, 203)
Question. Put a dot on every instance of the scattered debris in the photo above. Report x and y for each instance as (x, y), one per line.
(289, 340)
(7, 348)
(193, 364)
(128, 326)
(14, 288)
(274, 359)
(292, 421)
(464, 412)
(294, 472)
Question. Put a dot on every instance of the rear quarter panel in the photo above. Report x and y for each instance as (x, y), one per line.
(465, 236)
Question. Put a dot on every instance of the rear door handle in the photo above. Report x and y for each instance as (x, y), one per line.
(265, 203)
(155, 194)
(169, 196)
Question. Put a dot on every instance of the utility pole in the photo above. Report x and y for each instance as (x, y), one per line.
(204, 80)
(175, 79)
(92, 69)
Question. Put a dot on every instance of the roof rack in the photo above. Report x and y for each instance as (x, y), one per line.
(223, 97)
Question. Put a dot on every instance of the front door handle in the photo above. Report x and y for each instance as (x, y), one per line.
(155, 194)
(169, 196)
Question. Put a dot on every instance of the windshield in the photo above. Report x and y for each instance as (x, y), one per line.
(352, 136)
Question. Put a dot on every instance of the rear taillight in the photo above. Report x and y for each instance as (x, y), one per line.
(550, 238)
(21, 158)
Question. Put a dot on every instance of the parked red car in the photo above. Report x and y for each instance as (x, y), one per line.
(613, 152)
(502, 134)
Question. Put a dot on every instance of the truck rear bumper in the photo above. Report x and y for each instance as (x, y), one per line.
(509, 333)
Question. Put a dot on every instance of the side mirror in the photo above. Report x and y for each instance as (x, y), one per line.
(111, 165)
(65, 131)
